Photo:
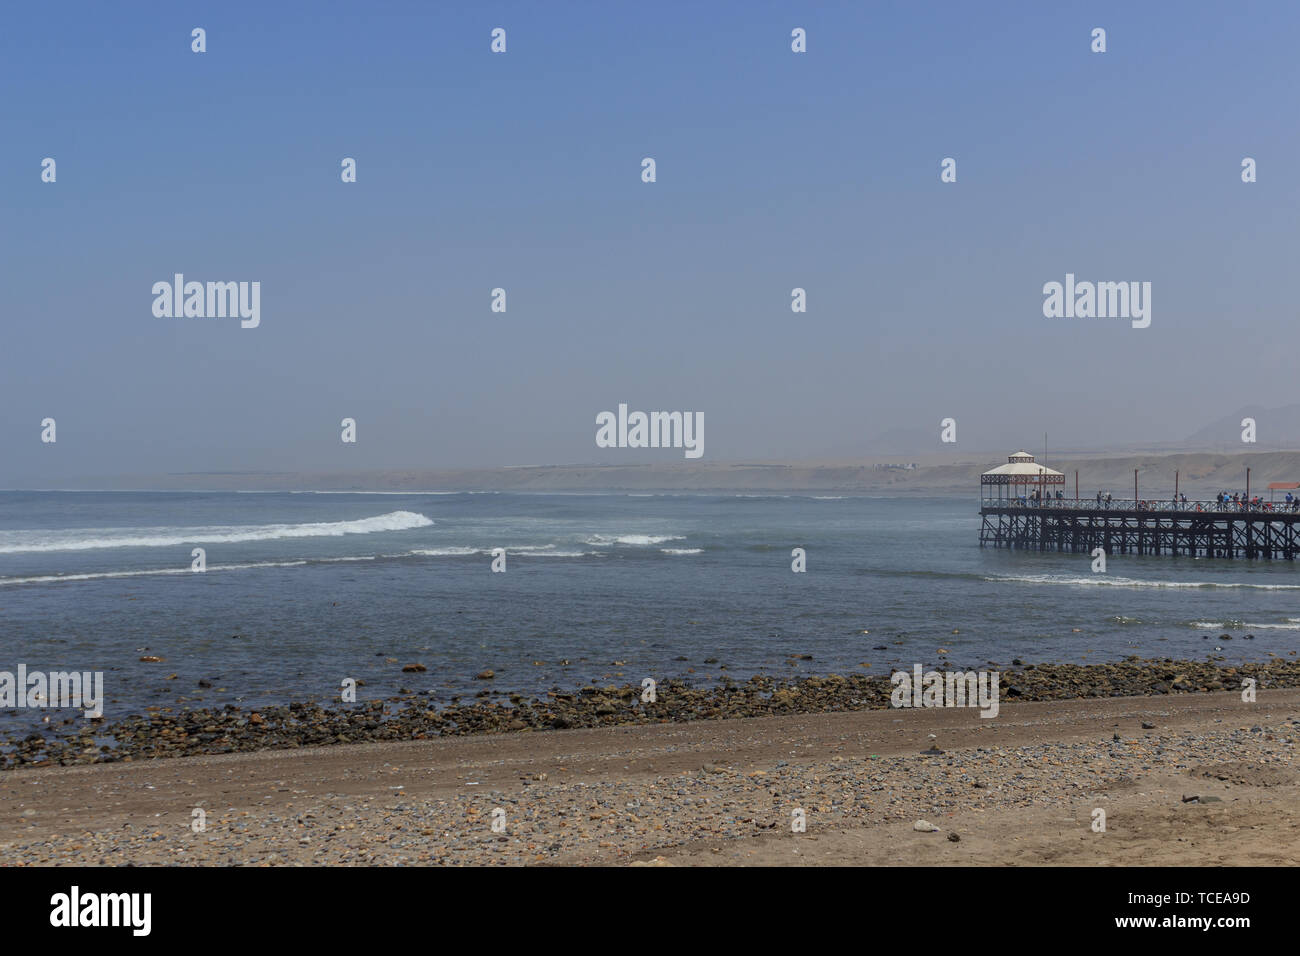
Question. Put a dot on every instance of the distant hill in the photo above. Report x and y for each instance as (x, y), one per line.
(1199, 475)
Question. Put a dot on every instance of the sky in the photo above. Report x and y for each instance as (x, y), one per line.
(522, 170)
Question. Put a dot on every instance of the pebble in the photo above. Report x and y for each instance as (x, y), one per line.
(636, 820)
(187, 731)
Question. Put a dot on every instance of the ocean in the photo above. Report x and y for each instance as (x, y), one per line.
(302, 590)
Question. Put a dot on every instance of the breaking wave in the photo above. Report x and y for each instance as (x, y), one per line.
(640, 539)
(1105, 580)
(90, 539)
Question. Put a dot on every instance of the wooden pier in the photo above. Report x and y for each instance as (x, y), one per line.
(1193, 528)
(1023, 505)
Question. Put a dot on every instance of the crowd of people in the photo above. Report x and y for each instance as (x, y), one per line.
(1237, 501)
(1223, 501)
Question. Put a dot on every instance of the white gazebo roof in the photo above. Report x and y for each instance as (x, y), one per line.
(1022, 467)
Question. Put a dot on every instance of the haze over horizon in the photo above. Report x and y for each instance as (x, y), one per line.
(522, 171)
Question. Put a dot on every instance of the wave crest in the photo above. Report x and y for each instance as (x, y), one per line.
(640, 539)
(91, 539)
(1104, 580)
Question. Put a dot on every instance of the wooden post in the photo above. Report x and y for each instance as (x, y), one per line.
(1135, 487)
(1247, 489)
(1076, 484)
(1175, 486)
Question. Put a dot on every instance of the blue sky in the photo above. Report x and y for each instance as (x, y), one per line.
(522, 171)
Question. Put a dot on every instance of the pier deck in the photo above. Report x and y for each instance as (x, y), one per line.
(1193, 528)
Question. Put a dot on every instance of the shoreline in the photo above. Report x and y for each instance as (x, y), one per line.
(1184, 779)
(168, 733)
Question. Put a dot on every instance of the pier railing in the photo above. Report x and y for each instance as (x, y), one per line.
(1146, 505)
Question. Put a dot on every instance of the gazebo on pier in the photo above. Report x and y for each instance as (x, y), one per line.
(1236, 527)
(1019, 476)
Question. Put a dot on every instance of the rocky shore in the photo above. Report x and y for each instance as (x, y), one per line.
(171, 732)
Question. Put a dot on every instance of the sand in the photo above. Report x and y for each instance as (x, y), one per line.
(1020, 789)
(947, 472)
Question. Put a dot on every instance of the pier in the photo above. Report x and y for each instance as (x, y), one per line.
(1020, 508)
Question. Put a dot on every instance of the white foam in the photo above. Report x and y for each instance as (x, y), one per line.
(637, 539)
(89, 539)
(523, 551)
(682, 550)
(398, 493)
(93, 576)
(1107, 580)
(1242, 626)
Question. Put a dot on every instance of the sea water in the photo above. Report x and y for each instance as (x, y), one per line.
(302, 590)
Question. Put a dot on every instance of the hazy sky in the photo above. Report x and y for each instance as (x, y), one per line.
(523, 171)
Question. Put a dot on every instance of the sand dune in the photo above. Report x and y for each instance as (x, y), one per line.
(1200, 474)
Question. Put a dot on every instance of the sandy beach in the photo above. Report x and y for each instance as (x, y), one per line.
(1189, 779)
